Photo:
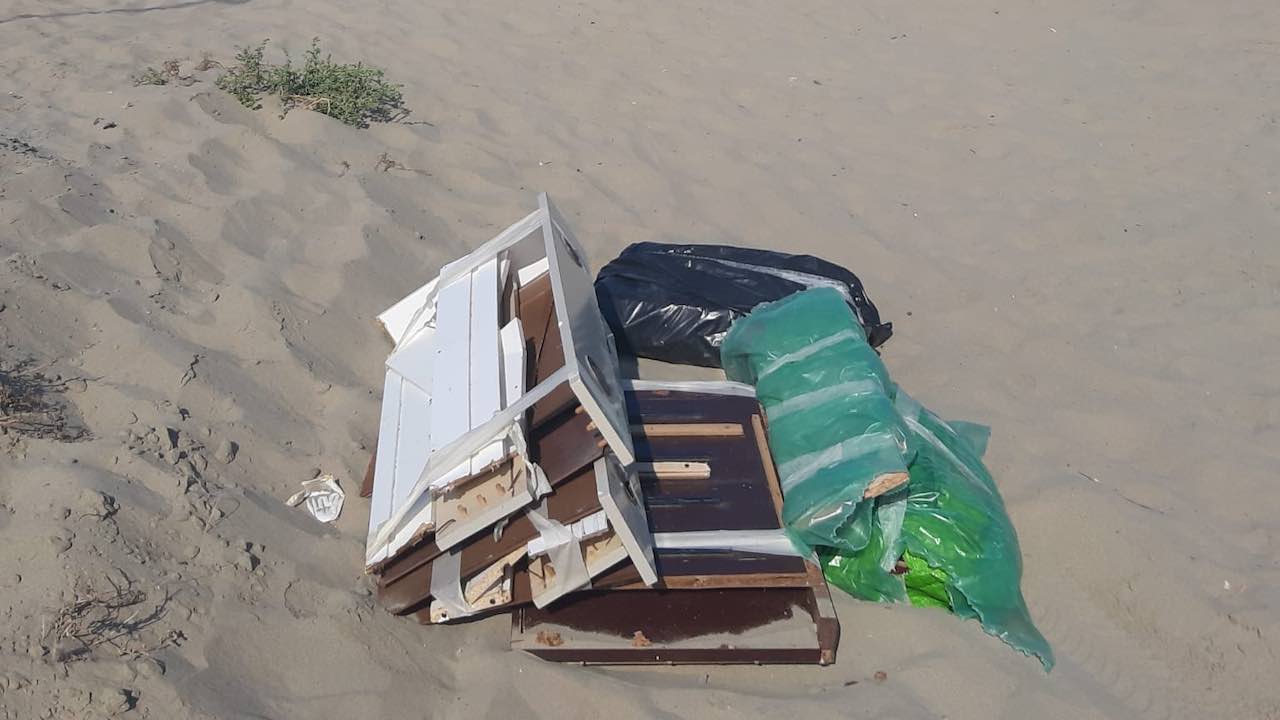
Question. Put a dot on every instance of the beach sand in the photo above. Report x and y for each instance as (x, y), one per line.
(1067, 210)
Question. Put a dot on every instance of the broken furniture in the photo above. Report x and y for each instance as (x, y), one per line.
(516, 470)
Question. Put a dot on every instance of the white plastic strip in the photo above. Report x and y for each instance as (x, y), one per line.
(565, 553)
(821, 396)
(709, 387)
(810, 349)
(764, 542)
(446, 584)
(590, 526)
(794, 472)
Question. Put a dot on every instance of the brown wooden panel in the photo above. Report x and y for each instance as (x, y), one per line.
(544, 348)
(741, 494)
(742, 625)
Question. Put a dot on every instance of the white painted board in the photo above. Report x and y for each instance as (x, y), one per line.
(485, 385)
(618, 490)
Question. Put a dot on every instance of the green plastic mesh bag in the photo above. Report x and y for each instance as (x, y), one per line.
(836, 422)
(833, 428)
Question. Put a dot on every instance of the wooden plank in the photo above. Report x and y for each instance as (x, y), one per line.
(415, 356)
(884, 483)
(767, 625)
(408, 456)
(766, 460)
(598, 553)
(589, 352)
(450, 390)
(380, 506)
(479, 591)
(703, 582)
(620, 496)
(489, 588)
(531, 272)
(476, 504)
(688, 430)
(402, 320)
(511, 340)
(673, 470)
(545, 354)
(485, 381)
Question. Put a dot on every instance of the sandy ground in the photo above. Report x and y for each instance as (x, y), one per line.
(1066, 209)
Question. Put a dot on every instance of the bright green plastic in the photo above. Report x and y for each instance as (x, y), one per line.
(864, 574)
(926, 586)
(956, 522)
(833, 428)
(823, 387)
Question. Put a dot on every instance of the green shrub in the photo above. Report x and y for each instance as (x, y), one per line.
(353, 93)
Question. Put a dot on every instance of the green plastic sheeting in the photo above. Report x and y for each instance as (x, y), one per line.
(833, 428)
(956, 522)
(836, 422)
(926, 586)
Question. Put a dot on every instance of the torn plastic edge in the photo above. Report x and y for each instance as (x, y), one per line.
(587, 528)
(565, 554)
(446, 585)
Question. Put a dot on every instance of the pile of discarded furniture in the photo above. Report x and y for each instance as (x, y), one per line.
(616, 520)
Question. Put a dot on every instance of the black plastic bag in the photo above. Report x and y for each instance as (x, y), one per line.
(676, 302)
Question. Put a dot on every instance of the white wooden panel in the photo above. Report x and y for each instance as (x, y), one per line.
(486, 358)
(380, 505)
(451, 378)
(619, 493)
(415, 357)
(588, 345)
(402, 453)
(405, 316)
(511, 340)
(411, 447)
(531, 272)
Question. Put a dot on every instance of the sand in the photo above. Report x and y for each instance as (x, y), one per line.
(1066, 209)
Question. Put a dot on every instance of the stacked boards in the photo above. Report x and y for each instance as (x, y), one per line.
(516, 470)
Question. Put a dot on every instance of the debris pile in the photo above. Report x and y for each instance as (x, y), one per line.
(618, 521)
(634, 521)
